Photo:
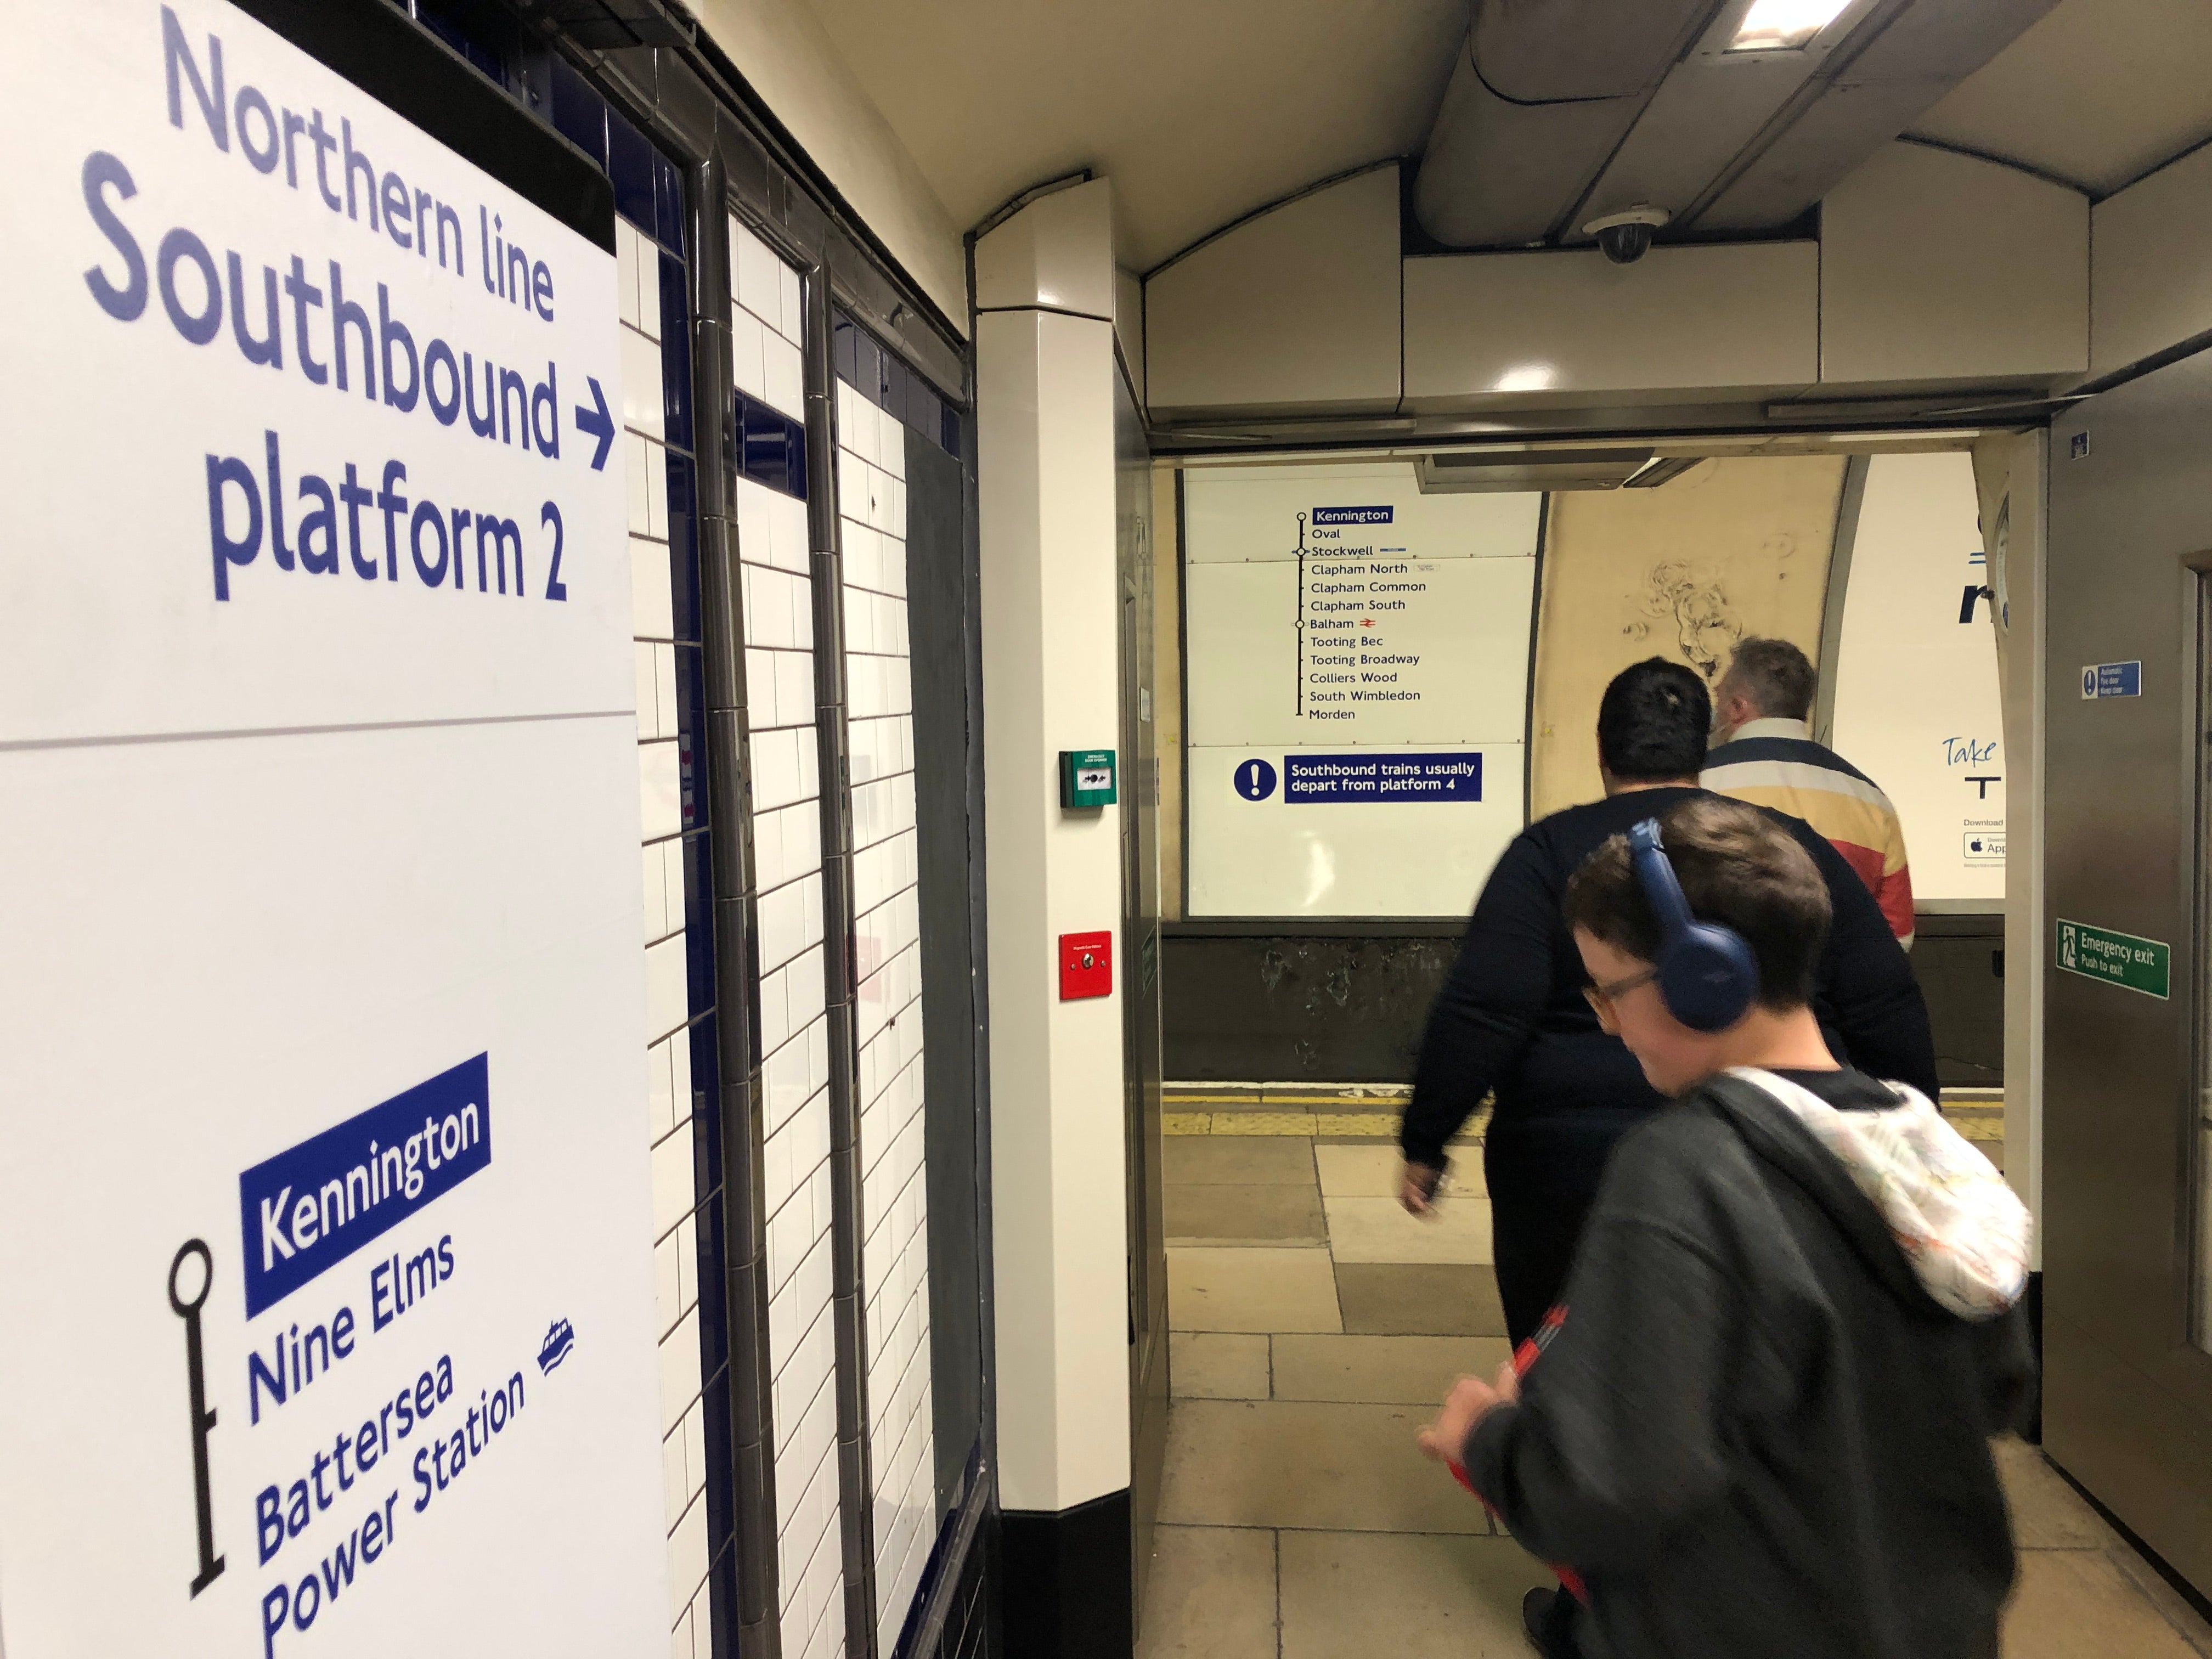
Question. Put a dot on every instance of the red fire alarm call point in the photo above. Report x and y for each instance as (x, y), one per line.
(1086, 965)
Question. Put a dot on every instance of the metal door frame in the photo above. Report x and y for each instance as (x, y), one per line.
(2194, 613)
(1143, 1054)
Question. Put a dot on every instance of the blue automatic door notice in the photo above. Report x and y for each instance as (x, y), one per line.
(1308, 779)
(2111, 679)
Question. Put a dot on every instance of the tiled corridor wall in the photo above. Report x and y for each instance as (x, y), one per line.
(777, 602)
(652, 289)
(887, 930)
(790, 1066)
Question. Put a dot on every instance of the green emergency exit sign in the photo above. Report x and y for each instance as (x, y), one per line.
(2138, 964)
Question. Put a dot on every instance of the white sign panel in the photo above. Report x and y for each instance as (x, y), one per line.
(1917, 704)
(1367, 649)
(325, 1209)
(1357, 672)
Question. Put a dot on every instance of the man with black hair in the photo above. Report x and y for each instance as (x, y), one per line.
(1764, 752)
(1511, 1017)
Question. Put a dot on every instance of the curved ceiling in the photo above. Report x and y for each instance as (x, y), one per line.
(1198, 113)
(1619, 105)
(2098, 93)
(1202, 113)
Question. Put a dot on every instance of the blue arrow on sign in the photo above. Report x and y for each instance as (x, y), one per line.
(599, 423)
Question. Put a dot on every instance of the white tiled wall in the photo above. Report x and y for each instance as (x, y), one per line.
(895, 1263)
(668, 1046)
(766, 324)
(781, 715)
(766, 327)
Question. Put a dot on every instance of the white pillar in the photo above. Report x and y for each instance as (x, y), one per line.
(1044, 351)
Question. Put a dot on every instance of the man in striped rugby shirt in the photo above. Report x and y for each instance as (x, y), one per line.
(1763, 752)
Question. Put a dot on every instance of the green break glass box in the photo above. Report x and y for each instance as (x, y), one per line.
(1087, 778)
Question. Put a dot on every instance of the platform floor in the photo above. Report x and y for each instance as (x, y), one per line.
(1315, 1328)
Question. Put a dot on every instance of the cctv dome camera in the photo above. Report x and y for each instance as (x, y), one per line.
(1625, 244)
(1626, 237)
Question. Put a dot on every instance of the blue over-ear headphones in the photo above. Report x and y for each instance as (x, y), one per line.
(1707, 975)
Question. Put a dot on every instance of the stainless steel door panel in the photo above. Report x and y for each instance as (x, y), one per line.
(2128, 1410)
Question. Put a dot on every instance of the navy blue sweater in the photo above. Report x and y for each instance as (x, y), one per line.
(1511, 1016)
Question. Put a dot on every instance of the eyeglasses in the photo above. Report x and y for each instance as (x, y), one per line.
(1602, 998)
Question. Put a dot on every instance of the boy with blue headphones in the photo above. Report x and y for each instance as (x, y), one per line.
(1759, 1423)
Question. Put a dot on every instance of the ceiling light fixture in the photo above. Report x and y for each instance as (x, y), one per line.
(1665, 469)
(1783, 25)
(1528, 377)
(1952, 435)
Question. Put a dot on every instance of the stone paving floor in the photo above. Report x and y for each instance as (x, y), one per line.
(1315, 1328)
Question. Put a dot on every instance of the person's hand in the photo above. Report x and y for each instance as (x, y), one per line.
(1417, 1187)
(1469, 1401)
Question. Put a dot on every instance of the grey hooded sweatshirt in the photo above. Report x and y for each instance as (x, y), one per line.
(1759, 1425)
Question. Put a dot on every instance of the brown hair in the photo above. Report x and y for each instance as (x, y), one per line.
(1775, 675)
(1737, 866)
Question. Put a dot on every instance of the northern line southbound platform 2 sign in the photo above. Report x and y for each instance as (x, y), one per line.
(318, 715)
(2117, 958)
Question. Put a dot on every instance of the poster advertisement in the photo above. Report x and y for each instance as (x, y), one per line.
(326, 1206)
(1359, 669)
(1916, 702)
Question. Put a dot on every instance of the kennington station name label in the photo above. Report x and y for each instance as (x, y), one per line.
(311, 1207)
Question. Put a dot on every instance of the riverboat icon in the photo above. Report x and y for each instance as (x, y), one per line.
(560, 1338)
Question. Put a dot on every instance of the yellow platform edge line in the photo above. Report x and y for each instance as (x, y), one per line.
(1384, 1126)
(1314, 1126)
(1240, 1093)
